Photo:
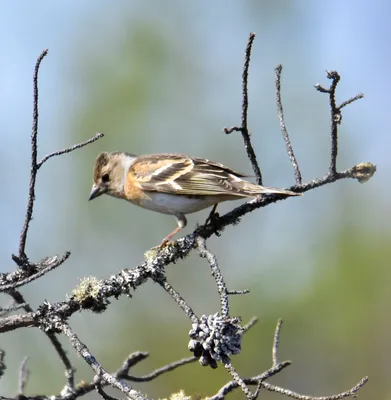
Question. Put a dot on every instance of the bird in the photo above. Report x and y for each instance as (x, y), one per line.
(172, 183)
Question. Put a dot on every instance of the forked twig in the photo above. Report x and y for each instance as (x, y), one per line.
(84, 352)
(33, 170)
(336, 115)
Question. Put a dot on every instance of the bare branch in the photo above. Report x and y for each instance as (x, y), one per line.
(238, 380)
(102, 393)
(28, 318)
(350, 393)
(13, 307)
(130, 362)
(277, 366)
(232, 385)
(13, 322)
(159, 371)
(351, 100)
(2, 363)
(123, 373)
(276, 342)
(214, 338)
(216, 273)
(178, 299)
(238, 292)
(83, 351)
(33, 171)
(336, 116)
(244, 128)
(250, 324)
(69, 149)
(69, 369)
(23, 276)
(284, 131)
(24, 374)
(99, 389)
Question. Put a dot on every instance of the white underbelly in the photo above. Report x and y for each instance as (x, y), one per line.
(173, 204)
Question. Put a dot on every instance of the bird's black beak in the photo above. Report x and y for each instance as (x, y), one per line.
(96, 191)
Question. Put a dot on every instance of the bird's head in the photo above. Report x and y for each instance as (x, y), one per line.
(109, 174)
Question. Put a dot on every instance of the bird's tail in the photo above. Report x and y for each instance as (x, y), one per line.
(252, 190)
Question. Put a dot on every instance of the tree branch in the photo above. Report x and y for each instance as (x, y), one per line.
(69, 149)
(83, 351)
(213, 338)
(33, 171)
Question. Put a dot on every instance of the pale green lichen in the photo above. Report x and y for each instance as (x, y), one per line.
(89, 288)
(178, 396)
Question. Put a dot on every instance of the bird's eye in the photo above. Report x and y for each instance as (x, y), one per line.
(105, 178)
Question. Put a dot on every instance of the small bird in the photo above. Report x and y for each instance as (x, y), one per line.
(174, 184)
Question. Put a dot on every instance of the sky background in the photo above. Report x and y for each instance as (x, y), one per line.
(166, 77)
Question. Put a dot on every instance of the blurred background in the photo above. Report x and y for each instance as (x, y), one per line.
(166, 77)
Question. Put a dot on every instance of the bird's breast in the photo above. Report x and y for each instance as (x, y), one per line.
(173, 204)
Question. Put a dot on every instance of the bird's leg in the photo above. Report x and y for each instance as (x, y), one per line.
(182, 222)
(212, 215)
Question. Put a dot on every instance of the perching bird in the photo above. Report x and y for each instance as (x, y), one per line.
(174, 184)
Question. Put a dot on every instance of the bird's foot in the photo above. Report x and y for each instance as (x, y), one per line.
(213, 216)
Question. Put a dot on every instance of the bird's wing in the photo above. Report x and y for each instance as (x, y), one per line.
(181, 174)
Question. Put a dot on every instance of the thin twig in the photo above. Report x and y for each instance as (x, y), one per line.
(236, 377)
(24, 374)
(246, 67)
(250, 324)
(159, 371)
(33, 171)
(351, 100)
(284, 131)
(69, 369)
(178, 299)
(276, 342)
(232, 385)
(335, 121)
(3, 367)
(349, 393)
(22, 257)
(99, 389)
(336, 115)
(130, 362)
(51, 264)
(244, 128)
(123, 373)
(216, 273)
(273, 370)
(69, 149)
(13, 307)
(238, 292)
(83, 351)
